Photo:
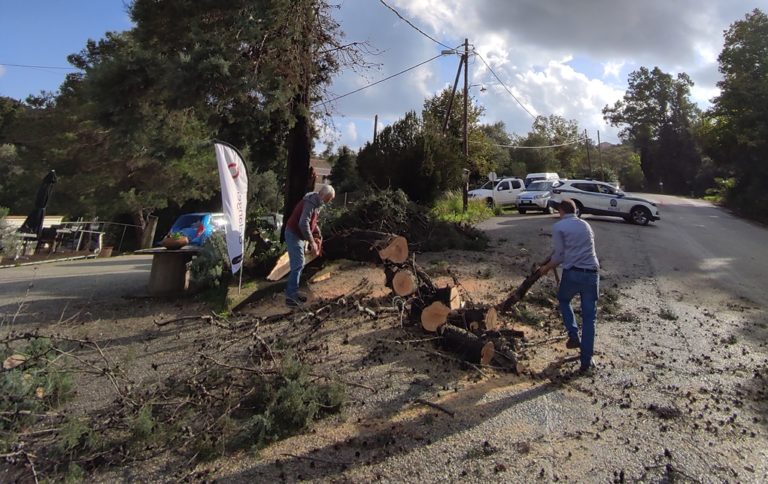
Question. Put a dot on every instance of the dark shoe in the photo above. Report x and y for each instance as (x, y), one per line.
(292, 303)
(301, 298)
(572, 343)
(587, 370)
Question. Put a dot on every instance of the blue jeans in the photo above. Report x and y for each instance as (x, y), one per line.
(587, 285)
(296, 256)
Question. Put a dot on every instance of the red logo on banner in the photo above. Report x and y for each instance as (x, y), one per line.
(233, 170)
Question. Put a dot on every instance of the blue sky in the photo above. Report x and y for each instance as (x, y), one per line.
(44, 33)
(556, 56)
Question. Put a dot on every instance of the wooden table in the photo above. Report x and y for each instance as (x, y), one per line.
(169, 274)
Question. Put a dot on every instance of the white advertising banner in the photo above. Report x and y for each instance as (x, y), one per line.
(234, 195)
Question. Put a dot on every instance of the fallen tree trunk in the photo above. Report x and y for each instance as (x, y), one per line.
(366, 246)
(515, 296)
(433, 316)
(470, 347)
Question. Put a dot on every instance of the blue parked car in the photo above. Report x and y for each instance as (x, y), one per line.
(199, 226)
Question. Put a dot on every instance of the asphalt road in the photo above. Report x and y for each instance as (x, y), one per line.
(46, 292)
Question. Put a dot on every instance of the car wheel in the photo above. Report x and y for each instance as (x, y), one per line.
(489, 201)
(521, 211)
(579, 208)
(549, 210)
(640, 215)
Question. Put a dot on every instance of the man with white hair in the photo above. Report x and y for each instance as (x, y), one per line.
(302, 229)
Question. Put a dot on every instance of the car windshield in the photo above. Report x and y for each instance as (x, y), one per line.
(488, 185)
(539, 186)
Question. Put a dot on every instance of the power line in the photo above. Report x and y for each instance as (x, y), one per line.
(504, 85)
(38, 67)
(379, 81)
(521, 147)
(417, 29)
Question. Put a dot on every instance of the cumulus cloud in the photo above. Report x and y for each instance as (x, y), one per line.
(555, 57)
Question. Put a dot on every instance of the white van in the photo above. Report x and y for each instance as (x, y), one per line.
(532, 177)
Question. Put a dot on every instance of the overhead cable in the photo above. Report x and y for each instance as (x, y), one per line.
(521, 147)
(39, 67)
(379, 81)
(417, 29)
(505, 86)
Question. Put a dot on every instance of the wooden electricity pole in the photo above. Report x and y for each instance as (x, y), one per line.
(465, 178)
(586, 146)
(600, 158)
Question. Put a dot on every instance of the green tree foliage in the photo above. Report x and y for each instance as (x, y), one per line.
(546, 131)
(417, 156)
(659, 120)
(132, 131)
(344, 175)
(738, 126)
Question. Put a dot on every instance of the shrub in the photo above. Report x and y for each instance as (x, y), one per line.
(10, 243)
(450, 208)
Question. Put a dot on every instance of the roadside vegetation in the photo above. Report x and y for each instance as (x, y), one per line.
(196, 415)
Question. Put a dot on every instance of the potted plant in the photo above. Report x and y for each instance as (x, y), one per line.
(175, 240)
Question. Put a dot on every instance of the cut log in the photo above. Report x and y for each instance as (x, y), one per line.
(515, 296)
(283, 266)
(434, 316)
(447, 295)
(366, 246)
(476, 320)
(470, 347)
(404, 283)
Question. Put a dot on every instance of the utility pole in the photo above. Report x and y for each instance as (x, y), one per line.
(375, 127)
(586, 145)
(465, 177)
(453, 94)
(600, 157)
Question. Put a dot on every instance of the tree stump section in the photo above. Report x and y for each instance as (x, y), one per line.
(404, 283)
(434, 316)
(470, 347)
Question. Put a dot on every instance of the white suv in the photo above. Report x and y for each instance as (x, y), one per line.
(600, 198)
(535, 197)
(501, 192)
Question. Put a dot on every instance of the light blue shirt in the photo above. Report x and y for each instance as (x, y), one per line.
(573, 243)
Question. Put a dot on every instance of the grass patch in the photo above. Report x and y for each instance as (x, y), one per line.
(450, 208)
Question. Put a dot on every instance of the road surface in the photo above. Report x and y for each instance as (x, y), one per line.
(45, 292)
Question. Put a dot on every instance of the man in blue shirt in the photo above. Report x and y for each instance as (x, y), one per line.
(573, 247)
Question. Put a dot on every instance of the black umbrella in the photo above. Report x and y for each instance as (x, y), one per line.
(34, 222)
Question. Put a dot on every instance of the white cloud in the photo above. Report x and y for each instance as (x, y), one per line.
(350, 134)
(612, 68)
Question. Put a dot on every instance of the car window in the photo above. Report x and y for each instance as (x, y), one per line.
(488, 185)
(540, 186)
(515, 184)
(503, 186)
(606, 189)
(587, 187)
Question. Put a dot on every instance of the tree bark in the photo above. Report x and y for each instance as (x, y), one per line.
(299, 148)
(366, 246)
(470, 347)
(515, 296)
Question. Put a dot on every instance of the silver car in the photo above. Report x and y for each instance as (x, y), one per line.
(536, 197)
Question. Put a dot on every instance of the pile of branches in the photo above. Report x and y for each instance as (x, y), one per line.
(238, 393)
(390, 211)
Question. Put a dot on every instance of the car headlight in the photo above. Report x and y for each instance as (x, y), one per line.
(540, 196)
